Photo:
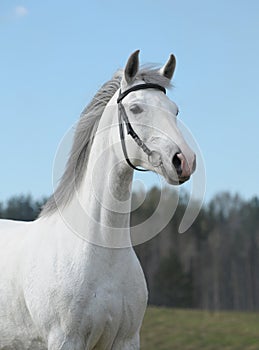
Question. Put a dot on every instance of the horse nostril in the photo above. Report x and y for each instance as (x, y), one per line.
(177, 164)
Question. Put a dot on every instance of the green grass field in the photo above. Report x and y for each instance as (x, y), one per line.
(172, 329)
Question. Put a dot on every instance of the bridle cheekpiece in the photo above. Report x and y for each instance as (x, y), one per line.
(153, 156)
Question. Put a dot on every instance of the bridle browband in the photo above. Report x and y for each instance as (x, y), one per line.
(122, 115)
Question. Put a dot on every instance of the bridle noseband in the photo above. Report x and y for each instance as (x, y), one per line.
(153, 156)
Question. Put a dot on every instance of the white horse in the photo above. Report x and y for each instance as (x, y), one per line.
(70, 280)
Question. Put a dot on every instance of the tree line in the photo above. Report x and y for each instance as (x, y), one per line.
(214, 265)
(22, 207)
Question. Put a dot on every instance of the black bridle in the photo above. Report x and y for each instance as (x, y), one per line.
(153, 156)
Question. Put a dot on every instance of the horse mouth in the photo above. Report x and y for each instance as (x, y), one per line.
(183, 180)
(172, 179)
(179, 182)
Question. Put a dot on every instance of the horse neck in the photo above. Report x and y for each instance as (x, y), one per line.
(100, 212)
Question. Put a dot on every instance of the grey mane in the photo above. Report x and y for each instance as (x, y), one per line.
(84, 135)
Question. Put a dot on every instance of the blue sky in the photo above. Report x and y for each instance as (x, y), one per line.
(56, 54)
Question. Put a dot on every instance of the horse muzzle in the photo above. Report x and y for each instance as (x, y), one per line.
(184, 169)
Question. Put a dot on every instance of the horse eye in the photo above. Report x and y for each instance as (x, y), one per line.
(177, 112)
(136, 109)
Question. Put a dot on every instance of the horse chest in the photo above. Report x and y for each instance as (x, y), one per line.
(116, 307)
(101, 303)
(113, 295)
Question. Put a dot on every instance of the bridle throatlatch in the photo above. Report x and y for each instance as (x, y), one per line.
(153, 157)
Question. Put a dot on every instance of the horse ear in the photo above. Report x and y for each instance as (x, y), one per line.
(132, 67)
(169, 67)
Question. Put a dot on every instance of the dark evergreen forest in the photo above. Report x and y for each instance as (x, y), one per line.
(214, 265)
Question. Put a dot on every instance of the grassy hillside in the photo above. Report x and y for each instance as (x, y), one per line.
(172, 329)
